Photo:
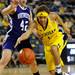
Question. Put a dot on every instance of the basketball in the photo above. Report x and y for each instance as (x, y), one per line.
(26, 56)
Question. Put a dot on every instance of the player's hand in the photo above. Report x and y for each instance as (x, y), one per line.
(15, 2)
(17, 42)
(69, 37)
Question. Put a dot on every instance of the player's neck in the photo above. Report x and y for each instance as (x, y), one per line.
(23, 5)
(45, 25)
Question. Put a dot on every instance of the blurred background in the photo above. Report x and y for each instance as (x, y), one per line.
(66, 10)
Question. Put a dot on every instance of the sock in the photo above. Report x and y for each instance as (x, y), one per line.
(37, 73)
(58, 69)
(58, 74)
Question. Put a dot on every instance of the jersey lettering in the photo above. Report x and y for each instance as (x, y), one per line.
(24, 25)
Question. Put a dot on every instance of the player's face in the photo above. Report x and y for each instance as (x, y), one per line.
(42, 20)
(23, 2)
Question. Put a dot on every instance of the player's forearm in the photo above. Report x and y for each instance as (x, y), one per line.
(9, 10)
(64, 27)
(28, 32)
(26, 35)
(66, 30)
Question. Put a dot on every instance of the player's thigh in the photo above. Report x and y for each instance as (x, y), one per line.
(59, 42)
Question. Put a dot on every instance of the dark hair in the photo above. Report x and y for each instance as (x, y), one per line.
(42, 8)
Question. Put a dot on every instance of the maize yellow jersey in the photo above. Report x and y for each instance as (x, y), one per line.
(50, 34)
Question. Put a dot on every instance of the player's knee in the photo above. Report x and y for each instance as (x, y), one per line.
(53, 49)
(6, 56)
(4, 61)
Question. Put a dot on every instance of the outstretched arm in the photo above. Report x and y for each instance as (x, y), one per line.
(25, 35)
(10, 9)
(54, 16)
(66, 29)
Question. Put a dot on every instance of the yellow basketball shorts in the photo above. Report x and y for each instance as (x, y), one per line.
(48, 56)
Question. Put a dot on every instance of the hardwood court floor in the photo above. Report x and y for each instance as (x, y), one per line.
(26, 71)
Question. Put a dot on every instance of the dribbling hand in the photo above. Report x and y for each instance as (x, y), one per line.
(17, 42)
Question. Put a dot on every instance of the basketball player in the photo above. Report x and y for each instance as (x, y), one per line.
(48, 32)
(21, 17)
